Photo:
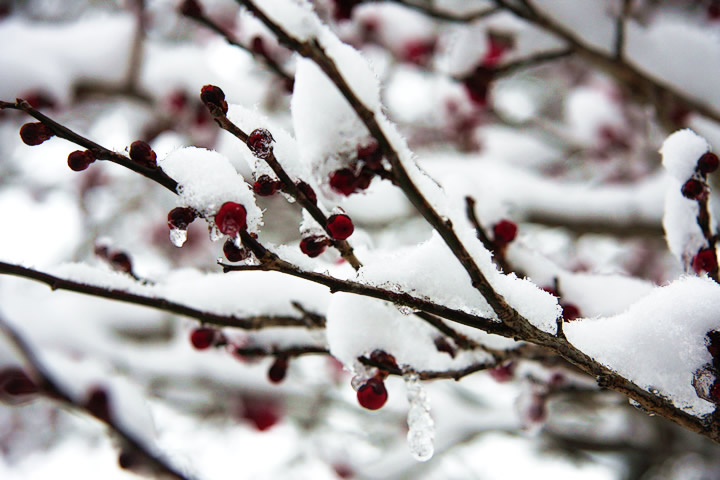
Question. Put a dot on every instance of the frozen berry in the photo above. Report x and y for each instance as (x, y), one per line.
(203, 338)
(340, 226)
(371, 155)
(231, 218)
(98, 403)
(278, 370)
(257, 45)
(570, 312)
(692, 189)
(384, 359)
(141, 153)
(261, 414)
(713, 343)
(477, 84)
(442, 345)
(121, 262)
(79, 160)
(35, 133)
(708, 163)
(504, 232)
(214, 99)
(372, 394)
(260, 142)
(128, 459)
(364, 179)
(233, 253)
(14, 382)
(265, 186)
(313, 246)
(343, 181)
(503, 372)
(191, 8)
(181, 217)
(308, 191)
(705, 261)
(344, 8)
(418, 52)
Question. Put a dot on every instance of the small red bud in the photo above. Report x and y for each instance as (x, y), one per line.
(260, 143)
(181, 217)
(191, 8)
(278, 370)
(231, 218)
(705, 261)
(233, 253)
(121, 262)
(505, 232)
(372, 394)
(98, 403)
(141, 153)
(692, 189)
(308, 191)
(79, 160)
(14, 383)
(313, 246)
(708, 163)
(343, 181)
(340, 226)
(203, 338)
(570, 312)
(35, 133)
(503, 372)
(214, 99)
(265, 186)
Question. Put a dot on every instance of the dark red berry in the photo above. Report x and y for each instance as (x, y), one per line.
(79, 160)
(477, 84)
(418, 51)
(715, 392)
(35, 133)
(203, 338)
(344, 8)
(141, 153)
(313, 246)
(551, 291)
(260, 142)
(371, 155)
(121, 262)
(178, 100)
(708, 163)
(278, 370)
(713, 343)
(343, 181)
(498, 45)
(444, 346)
(231, 218)
(705, 261)
(692, 189)
(504, 232)
(537, 409)
(364, 179)
(265, 186)
(384, 359)
(214, 99)
(191, 8)
(570, 312)
(262, 415)
(128, 459)
(504, 372)
(257, 45)
(181, 217)
(98, 403)
(233, 253)
(713, 11)
(340, 226)
(14, 382)
(372, 394)
(308, 191)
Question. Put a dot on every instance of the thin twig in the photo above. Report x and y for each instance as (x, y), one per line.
(433, 12)
(620, 25)
(246, 323)
(56, 391)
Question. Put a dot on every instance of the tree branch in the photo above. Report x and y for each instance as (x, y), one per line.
(433, 12)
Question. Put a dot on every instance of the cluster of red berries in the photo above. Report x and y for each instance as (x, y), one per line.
(694, 188)
(340, 227)
(347, 181)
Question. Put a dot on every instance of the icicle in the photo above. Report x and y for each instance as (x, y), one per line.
(421, 427)
(178, 236)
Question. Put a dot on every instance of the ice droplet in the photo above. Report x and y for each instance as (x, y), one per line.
(215, 233)
(421, 427)
(405, 310)
(178, 236)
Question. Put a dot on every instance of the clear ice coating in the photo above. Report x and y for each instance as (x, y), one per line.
(421, 427)
(178, 236)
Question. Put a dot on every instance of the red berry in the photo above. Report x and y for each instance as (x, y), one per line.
(14, 382)
(340, 226)
(372, 394)
(128, 459)
(384, 359)
(713, 344)
(477, 84)
(203, 338)
(261, 414)
(371, 155)
(233, 253)
(231, 218)
(343, 181)
(181, 217)
(344, 8)
(504, 372)
(692, 189)
(705, 261)
(191, 8)
(121, 262)
(214, 99)
(141, 153)
(35, 133)
(570, 312)
(278, 370)
(418, 51)
(257, 45)
(708, 163)
(364, 179)
(307, 191)
(265, 186)
(260, 143)
(504, 231)
(444, 346)
(98, 403)
(79, 160)
(313, 246)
